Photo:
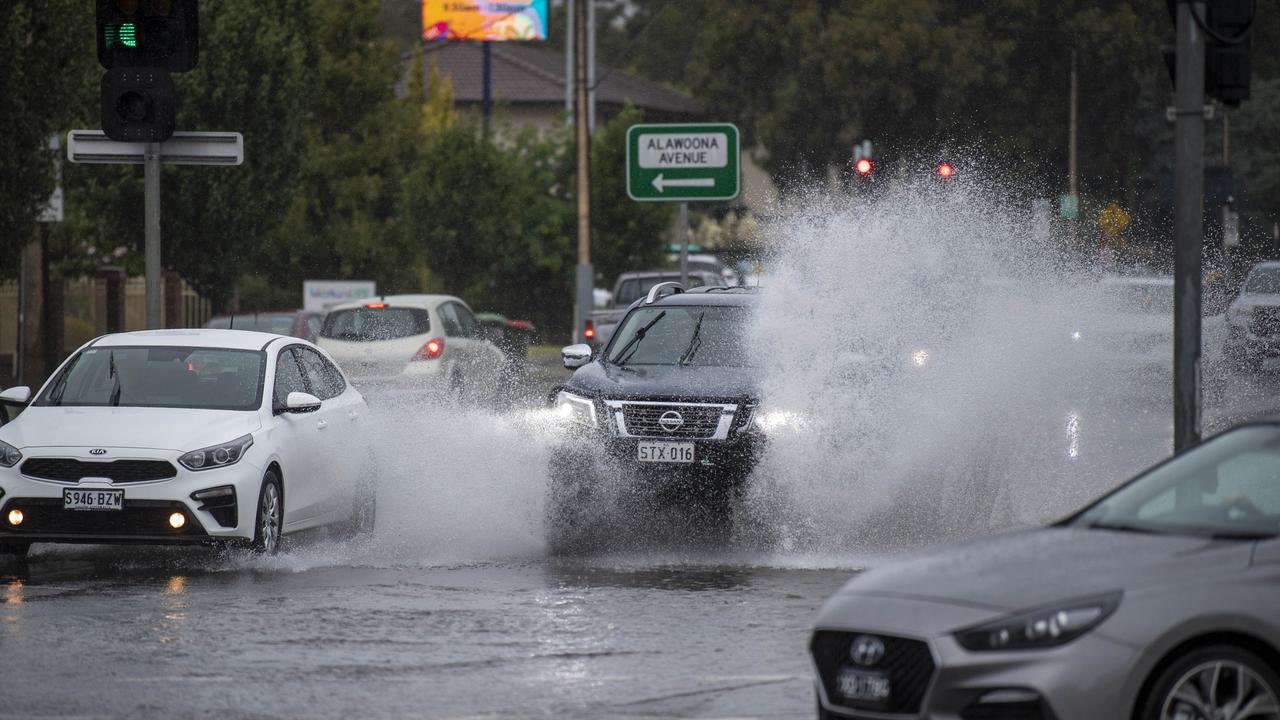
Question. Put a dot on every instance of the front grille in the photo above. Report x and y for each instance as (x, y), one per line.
(907, 663)
(1266, 321)
(697, 421)
(149, 518)
(71, 470)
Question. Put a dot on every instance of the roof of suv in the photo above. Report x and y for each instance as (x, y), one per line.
(736, 296)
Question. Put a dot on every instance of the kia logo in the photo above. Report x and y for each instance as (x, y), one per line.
(866, 650)
(671, 421)
(97, 451)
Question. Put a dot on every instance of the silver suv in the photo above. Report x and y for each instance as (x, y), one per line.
(1253, 318)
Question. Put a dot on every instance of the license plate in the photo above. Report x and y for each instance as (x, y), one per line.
(864, 686)
(665, 452)
(92, 499)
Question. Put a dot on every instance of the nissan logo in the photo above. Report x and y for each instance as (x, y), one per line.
(866, 650)
(671, 421)
(97, 451)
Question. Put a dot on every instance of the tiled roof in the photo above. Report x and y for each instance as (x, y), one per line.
(528, 73)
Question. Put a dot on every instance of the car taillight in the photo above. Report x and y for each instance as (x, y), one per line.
(589, 332)
(431, 350)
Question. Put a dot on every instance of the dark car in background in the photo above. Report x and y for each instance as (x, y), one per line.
(303, 324)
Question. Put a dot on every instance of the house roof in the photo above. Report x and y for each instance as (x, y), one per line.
(528, 73)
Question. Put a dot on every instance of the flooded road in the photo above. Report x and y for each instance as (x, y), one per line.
(99, 632)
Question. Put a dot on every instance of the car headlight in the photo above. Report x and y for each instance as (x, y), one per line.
(9, 455)
(217, 456)
(773, 420)
(1046, 627)
(575, 408)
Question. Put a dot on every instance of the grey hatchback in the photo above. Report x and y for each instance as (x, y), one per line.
(1159, 601)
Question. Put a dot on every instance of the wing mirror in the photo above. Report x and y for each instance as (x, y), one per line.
(20, 395)
(575, 356)
(300, 402)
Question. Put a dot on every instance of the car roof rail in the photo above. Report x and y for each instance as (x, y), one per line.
(656, 291)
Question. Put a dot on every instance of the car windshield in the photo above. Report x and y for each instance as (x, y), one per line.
(1229, 486)
(176, 377)
(369, 324)
(682, 335)
(278, 323)
(1264, 281)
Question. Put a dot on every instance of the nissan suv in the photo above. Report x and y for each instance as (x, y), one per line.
(662, 414)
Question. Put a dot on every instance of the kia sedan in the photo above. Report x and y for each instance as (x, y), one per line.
(1159, 601)
(186, 436)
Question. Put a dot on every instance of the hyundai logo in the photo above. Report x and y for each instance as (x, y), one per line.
(671, 421)
(866, 650)
(97, 451)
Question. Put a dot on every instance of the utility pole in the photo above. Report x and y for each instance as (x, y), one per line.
(151, 249)
(585, 275)
(1188, 217)
(1073, 170)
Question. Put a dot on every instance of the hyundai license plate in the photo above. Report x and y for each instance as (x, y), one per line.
(92, 499)
(863, 686)
(664, 452)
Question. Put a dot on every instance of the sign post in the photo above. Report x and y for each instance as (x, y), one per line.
(184, 148)
(680, 163)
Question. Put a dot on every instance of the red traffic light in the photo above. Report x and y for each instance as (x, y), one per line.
(945, 170)
(863, 166)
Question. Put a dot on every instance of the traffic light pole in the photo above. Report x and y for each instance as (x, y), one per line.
(584, 275)
(151, 192)
(1188, 221)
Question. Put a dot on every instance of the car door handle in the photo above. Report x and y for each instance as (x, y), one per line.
(322, 424)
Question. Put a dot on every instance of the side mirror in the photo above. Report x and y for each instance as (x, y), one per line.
(300, 402)
(575, 356)
(20, 395)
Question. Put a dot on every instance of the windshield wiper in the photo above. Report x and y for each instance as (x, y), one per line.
(633, 344)
(1123, 527)
(695, 342)
(1242, 535)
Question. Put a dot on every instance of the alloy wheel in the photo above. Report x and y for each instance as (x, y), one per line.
(269, 519)
(1221, 690)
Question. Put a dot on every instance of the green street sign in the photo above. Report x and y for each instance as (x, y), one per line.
(682, 162)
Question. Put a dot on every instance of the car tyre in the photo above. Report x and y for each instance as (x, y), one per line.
(269, 519)
(16, 550)
(1237, 677)
(365, 513)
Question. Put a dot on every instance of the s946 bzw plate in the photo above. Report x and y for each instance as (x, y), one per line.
(92, 499)
(664, 452)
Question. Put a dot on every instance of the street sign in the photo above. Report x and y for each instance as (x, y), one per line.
(683, 162)
(52, 211)
(1113, 219)
(320, 295)
(184, 148)
(1069, 206)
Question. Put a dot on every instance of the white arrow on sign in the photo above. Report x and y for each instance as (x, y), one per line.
(660, 183)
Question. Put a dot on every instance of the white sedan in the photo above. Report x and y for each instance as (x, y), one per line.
(186, 436)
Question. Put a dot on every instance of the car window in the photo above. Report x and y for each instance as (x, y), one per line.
(676, 335)
(288, 377)
(314, 322)
(466, 320)
(159, 376)
(369, 324)
(452, 328)
(325, 379)
(1264, 281)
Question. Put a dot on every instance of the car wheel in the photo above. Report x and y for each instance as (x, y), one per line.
(15, 550)
(270, 517)
(364, 514)
(1219, 681)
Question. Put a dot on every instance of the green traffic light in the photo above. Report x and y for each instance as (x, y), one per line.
(125, 34)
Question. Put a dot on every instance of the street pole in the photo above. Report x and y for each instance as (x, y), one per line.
(584, 279)
(569, 57)
(682, 237)
(1188, 231)
(486, 97)
(1072, 158)
(151, 192)
(591, 64)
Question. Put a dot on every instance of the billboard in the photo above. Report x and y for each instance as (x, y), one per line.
(481, 20)
(320, 295)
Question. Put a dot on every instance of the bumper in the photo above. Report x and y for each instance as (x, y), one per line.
(1087, 678)
(146, 508)
(717, 465)
(1241, 340)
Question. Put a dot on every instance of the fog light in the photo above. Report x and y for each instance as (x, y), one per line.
(16, 517)
(177, 520)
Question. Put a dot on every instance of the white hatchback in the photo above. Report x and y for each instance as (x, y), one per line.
(410, 341)
(186, 436)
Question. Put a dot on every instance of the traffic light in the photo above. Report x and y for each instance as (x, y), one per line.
(1227, 26)
(139, 43)
(863, 167)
